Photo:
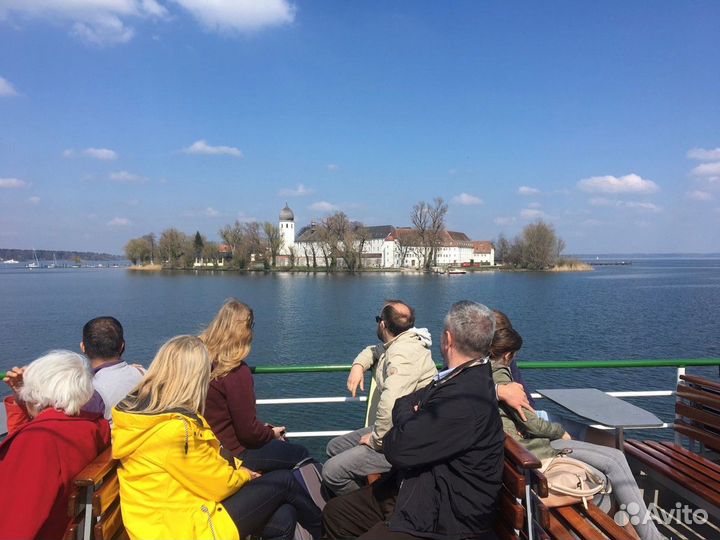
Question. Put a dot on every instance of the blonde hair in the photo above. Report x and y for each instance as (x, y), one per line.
(60, 379)
(229, 337)
(177, 378)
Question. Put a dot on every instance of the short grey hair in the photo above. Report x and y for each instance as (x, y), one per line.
(60, 379)
(472, 325)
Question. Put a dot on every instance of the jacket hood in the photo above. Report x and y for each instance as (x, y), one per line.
(131, 430)
(424, 335)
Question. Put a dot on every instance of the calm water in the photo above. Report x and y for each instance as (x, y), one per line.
(652, 309)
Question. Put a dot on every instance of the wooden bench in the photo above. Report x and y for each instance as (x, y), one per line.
(685, 472)
(523, 514)
(94, 504)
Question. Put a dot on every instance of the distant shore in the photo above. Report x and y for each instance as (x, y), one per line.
(571, 266)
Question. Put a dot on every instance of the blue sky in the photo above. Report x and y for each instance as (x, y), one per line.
(121, 117)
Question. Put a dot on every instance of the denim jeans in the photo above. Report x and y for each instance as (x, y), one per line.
(273, 456)
(271, 505)
(350, 462)
(612, 463)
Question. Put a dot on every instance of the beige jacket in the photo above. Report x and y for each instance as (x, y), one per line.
(402, 365)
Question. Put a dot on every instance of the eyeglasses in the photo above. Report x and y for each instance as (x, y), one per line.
(378, 318)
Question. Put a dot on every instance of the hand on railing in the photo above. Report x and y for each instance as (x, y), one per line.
(355, 379)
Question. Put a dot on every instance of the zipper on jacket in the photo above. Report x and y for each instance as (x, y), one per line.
(209, 518)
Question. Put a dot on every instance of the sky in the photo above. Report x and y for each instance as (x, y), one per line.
(123, 117)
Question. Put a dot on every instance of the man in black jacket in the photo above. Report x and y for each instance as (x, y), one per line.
(446, 449)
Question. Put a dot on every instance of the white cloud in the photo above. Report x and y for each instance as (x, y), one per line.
(591, 223)
(534, 205)
(532, 213)
(108, 22)
(11, 183)
(211, 212)
(125, 177)
(68, 153)
(299, 191)
(600, 201)
(332, 167)
(528, 191)
(118, 222)
(504, 220)
(323, 206)
(34, 200)
(203, 148)
(650, 207)
(7, 89)
(466, 199)
(700, 154)
(101, 153)
(239, 15)
(630, 183)
(711, 171)
(698, 195)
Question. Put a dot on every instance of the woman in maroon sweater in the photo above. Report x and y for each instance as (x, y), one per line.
(230, 408)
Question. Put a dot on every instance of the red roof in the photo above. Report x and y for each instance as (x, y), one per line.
(483, 246)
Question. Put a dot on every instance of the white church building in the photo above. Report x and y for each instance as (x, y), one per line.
(386, 247)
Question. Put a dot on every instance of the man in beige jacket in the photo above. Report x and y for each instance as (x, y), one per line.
(401, 363)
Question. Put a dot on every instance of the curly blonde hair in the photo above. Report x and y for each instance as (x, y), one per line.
(228, 337)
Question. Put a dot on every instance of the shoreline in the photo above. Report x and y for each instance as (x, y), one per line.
(573, 267)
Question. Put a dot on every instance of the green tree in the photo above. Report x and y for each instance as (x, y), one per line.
(198, 244)
(172, 246)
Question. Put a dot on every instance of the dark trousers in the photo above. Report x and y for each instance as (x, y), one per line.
(271, 505)
(273, 456)
(358, 512)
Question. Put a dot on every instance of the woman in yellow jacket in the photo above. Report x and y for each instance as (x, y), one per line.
(174, 482)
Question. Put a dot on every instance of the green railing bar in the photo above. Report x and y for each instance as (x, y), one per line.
(548, 364)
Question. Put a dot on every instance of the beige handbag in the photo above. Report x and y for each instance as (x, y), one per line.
(570, 481)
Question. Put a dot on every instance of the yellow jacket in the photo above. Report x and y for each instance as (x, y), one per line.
(172, 477)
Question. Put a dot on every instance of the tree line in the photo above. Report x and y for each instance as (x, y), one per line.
(337, 242)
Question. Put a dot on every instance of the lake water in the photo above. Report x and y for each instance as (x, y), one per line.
(652, 309)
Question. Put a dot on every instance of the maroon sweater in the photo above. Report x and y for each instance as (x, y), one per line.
(230, 411)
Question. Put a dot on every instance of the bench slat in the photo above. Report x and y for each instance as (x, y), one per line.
(693, 456)
(710, 440)
(109, 524)
(680, 457)
(604, 522)
(576, 521)
(511, 512)
(513, 480)
(106, 494)
(650, 458)
(701, 397)
(558, 531)
(706, 418)
(701, 381)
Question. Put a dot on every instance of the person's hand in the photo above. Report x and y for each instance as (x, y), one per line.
(14, 378)
(513, 394)
(279, 432)
(566, 437)
(355, 379)
(365, 439)
(253, 474)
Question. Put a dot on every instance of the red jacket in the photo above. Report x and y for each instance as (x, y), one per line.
(230, 411)
(38, 461)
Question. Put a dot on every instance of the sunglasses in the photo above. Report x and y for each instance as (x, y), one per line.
(378, 318)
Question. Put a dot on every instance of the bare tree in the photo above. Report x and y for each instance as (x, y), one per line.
(172, 246)
(234, 236)
(346, 239)
(292, 255)
(502, 249)
(151, 239)
(137, 250)
(406, 240)
(274, 240)
(429, 224)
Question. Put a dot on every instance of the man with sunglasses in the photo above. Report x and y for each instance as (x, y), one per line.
(402, 363)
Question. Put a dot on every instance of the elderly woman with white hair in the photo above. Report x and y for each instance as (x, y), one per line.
(49, 442)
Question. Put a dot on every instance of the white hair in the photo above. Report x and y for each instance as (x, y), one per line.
(60, 379)
(472, 325)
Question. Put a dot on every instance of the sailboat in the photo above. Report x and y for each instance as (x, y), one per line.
(54, 263)
(35, 263)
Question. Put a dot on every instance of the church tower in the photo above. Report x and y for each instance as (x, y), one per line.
(287, 228)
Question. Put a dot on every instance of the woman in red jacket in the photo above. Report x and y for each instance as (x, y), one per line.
(230, 408)
(49, 442)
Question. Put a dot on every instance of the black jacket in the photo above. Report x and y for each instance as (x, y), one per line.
(449, 454)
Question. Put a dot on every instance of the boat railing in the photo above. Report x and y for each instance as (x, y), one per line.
(679, 364)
